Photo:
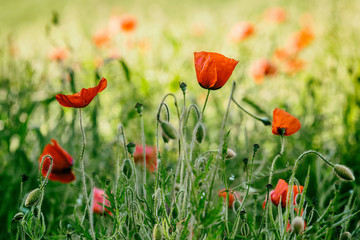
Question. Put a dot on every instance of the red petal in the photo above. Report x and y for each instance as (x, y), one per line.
(280, 191)
(99, 199)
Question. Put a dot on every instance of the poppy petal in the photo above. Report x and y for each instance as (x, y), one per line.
(284, 120)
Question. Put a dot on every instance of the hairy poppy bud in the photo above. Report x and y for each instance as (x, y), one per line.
(200, 133)
(344, 173)
(183, 86)
(139, 108)
(175, 212)
(157, 235)
(345, 236)
(165, 137)
(33, 197)
(18, 217)
(131, 148)
(256, 147)
(169, 130)
(265, 121)
(297, 225)
(230, 154)
(127, 168)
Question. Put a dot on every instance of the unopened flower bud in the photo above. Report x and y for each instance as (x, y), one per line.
(127, 168)
(344, 173)
(256, 147)
(169, 130)
(157, 235)
(183, 86)
(230, 154)
(175, 212)
(345, 236)
(18, 217)
(200, 133)
(297, 225)
(131, 148)
(33, 197)
(165, 138)
(265, 121)
(139, 108)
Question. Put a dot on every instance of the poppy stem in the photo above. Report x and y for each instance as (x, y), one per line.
(83, 175)
(43, 183)
(265, 121)
(144, 152)
(206, 100)
(120, 128)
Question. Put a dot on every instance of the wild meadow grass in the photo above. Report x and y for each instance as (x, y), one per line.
(191, 120)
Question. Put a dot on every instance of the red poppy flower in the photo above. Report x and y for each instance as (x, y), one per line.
(128, 23)
(284, 120)
(262, 68)
(100, 202)
(281, 190)
(275, 15)
(300, 40)
(82, 98)
(59, 54)
(62, 163)
(213, 70)
(150, 157)
(241, 31)
(232, 198)
(102, 38)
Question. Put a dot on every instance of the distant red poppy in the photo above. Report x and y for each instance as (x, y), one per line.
(98, 200)
(150, 157)
(294, 65)
(262, 68)
(281, 190)
(300, 40)
(59, 54)
(241, 31)
(62, 163)
(232, 198)
(284, 120)
(128, 23)
(213, 70)
(82, 98)
(102, 38)
(275, 15)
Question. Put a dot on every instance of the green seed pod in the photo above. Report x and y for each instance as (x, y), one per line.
(169, 130)
(230, 154)
(344, 173)
(127, 168)
(18, 217)
(265, 121)
(33, 197)
(345, 236)
(297, 225)
(157, 235)
(200, 133)
(175, 212)
(131, 148)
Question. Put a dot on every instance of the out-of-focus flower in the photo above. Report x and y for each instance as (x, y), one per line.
(283, 120)
(59, 54)
(62, 163)
(128, 23)
(114, 25)
(213, 70)
(232, 197)
(150, 157)
(275, 15)
(100, 202)
(241, 31)
(262, 68)
(293, 65)
(197, 29)
(83, 98)
(281, 191)
(102, 38)
(300, 40)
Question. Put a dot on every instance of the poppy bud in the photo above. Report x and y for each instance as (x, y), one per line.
(18, 217)
(297, 225)
(139, 108)
(127, 168)
(230, 154)
(344, 173)
(169, 130)
(33, 197)
(200, 133)
(265, 121)
(183, 87)
(256, 147)
(166, 139)
(157, 235)
(24, 177)
(345, 236)
(175, 212)
(131, 148)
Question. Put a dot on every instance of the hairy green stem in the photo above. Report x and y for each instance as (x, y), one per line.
(206, 100)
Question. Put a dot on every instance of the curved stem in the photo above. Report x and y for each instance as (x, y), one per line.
(243, 109)
(144, 152)
(120, 127)
(43, 183)
(206, 100)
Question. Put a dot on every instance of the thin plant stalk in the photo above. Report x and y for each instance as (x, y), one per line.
(144, 152)
(206, 100)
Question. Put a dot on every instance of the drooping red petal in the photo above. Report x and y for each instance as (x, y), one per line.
(280, 191)
(99, 198)
(283, 119)
(82, 98)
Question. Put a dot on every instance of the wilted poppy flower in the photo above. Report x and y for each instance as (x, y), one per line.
(101, 38)
(241, 31)
(284, 120)
(62, 163)
(82, 98)
(100, 202)
(300, 40)
(262, 68)
(150, 157)
(59, 54)
(128, 23)
(275, 15)
(232, 197)
(281, 190)
(213, 70)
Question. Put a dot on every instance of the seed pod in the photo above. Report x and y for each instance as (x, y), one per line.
(297, 225)
(183, 86)
(18, 217)
(157, 235)
(345, 236)
(131, 148)
(33, 197)
(344, 173)
(265, 121)
(127, 168)
(200, 133)
(169, 130)
(175, 212)
(230, 154)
